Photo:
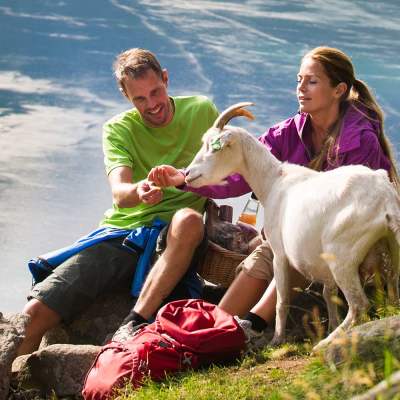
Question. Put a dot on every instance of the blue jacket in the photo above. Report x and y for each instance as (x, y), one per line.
(141, 240)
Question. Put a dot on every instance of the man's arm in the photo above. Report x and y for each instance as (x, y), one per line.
(166, 175)
(127, 194)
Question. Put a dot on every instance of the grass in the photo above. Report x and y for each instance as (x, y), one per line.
(287, 373)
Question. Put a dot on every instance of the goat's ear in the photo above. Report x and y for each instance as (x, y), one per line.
(228, 138)
(209, 134)
(217, 142)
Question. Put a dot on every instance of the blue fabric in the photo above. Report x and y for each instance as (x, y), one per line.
(42, 266)
(141, 240)
(144, 240)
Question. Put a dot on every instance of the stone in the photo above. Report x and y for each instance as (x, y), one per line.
(12, 331)
(57, 354)
(59, 368)
(95, 325)
(366, 342)
(21, 377)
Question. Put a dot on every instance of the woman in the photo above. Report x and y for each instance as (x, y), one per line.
(339, 123)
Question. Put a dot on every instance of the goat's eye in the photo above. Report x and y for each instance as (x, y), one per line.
(216, 144)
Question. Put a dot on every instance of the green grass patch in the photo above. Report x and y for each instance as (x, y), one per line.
(288, 372)
(285, 373)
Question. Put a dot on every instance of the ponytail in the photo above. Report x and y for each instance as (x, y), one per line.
(360, 94)
(339, 68)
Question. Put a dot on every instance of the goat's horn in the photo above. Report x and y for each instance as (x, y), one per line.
(236, 110)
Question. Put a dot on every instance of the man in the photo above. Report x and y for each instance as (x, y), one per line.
(159, 130)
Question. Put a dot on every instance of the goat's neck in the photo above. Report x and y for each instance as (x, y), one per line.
(261, 169)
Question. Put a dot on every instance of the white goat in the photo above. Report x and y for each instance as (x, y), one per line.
(321, 223)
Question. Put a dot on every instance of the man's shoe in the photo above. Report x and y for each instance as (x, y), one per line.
(255, 340)
(126, 331)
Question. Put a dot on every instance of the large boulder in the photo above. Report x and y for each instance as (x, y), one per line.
(62, 367)
(96, 324)
(67, 351)
(12, 331)
(366, 342)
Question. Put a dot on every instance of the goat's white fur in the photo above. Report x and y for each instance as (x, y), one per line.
(321, 223)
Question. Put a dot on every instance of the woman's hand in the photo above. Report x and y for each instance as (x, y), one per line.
(149, 193)
(166, 175)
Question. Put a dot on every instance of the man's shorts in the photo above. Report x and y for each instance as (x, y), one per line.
(259, 263)
(79, 280)
(101, 268)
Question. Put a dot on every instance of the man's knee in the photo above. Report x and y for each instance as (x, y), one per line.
(187, 224)
(42, 318)
(40, 314)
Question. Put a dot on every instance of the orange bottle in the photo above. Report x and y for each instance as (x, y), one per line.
(250, 210)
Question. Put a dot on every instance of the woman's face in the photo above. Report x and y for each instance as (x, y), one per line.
(314, 91)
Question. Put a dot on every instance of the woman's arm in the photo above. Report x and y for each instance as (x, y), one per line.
(166, 175)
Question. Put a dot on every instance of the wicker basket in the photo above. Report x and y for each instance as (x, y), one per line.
(219, 264)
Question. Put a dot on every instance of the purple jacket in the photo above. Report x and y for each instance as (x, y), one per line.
(290, 141)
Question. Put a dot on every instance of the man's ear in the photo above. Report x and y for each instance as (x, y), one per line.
(164, 76)
(121, 89)
(341, 89)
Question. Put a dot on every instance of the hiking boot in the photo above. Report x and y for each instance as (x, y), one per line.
(255, 340)
(126, 332)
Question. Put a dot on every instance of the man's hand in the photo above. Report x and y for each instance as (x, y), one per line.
(166, 175)
(149, 193)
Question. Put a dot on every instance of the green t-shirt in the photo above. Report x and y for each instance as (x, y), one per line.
(127, 141)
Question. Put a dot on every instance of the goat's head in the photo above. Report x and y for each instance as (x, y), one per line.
(220, 155)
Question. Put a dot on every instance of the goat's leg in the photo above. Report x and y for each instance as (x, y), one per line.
(356, 299)
(281, 274)
(330, 294)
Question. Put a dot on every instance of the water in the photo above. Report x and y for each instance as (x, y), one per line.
(56, 90)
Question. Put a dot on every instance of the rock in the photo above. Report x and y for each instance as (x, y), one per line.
(12, 331)
(366, 342)
(98, 323)
(60, 368)
(21, 377)
(55, 336)
(23, 386)
(44, 369)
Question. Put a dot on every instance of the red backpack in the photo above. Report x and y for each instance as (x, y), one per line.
(185, 334)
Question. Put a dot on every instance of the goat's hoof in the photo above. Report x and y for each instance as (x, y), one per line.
(321, 346)
(276, 341)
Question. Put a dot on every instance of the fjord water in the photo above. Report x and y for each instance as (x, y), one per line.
(57, 88)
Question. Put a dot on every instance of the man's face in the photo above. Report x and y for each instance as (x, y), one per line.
(150, 97)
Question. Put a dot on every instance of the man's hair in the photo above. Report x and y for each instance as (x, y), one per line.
(134, 63)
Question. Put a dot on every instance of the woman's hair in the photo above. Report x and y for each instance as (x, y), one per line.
(339, 68)
(134, 63)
